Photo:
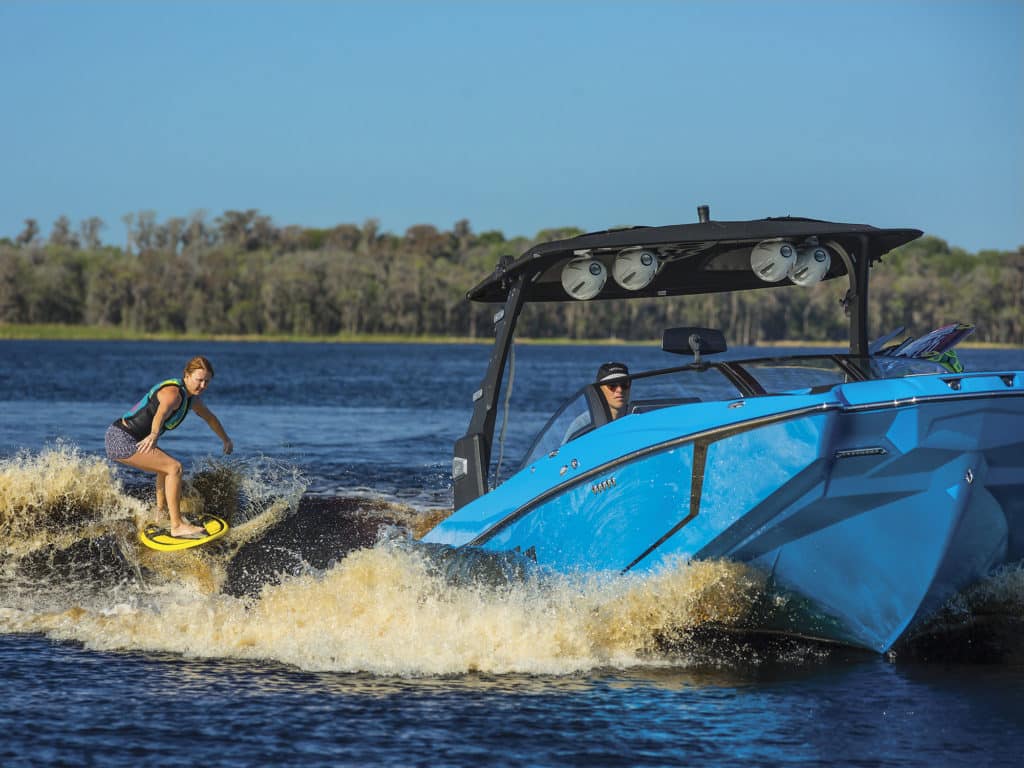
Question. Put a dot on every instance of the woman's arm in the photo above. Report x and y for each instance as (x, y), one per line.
(168, 400)
(207, 415)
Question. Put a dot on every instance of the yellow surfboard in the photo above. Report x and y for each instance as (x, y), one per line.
(156, 537)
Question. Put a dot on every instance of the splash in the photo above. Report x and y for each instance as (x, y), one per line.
(253, 495)
(386, 610)
(1001, 593)
(984, 623)
(57, 497)
(73, 569)
(66, 519)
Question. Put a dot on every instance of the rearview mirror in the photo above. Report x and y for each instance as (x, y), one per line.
(693, 341)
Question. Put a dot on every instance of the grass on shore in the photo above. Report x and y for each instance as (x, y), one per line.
(61, 332)
(56, 331)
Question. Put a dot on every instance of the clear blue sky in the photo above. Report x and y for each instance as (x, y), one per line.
(517, 116)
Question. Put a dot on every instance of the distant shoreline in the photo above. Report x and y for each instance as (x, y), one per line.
(58, 332)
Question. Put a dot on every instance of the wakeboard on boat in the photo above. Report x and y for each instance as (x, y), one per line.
(873, 484)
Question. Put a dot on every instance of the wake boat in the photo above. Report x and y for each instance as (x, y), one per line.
(870, 485)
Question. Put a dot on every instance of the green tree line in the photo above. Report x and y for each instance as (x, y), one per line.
(239, 274)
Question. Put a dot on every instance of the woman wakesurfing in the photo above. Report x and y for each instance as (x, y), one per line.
(132, 439)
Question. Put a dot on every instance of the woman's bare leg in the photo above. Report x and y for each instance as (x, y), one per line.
(168, 473)
(172, 492)
(161, 499)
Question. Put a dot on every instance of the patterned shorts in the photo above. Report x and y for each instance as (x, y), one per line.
(120, 445)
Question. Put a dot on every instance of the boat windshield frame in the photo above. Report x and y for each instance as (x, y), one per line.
(748, 377)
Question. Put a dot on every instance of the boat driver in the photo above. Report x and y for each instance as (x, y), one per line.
(613, 380)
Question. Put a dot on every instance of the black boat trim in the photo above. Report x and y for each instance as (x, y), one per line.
(700, 457)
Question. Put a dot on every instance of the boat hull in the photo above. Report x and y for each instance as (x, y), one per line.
(873, 502)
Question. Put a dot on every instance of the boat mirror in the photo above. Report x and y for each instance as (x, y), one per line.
(811, 266)
(771, 260)
(691, 340)
(635, 268)
(584, 278)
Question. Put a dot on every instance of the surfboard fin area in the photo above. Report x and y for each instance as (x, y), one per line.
(159, 538)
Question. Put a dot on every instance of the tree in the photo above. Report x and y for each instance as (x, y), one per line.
(61, 234)
(196, 234)
(246, 229)
(302, 297)
(108, 289)
(145, 234)
(425, 240)
(128, 220)
(345, 237)
(169, 234)
(369, 239)
(29, 233)
(53, 290)
(89, 231)
(560, 233)
(246, 276)
(12, 296)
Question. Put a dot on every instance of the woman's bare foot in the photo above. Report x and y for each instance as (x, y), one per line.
(188, 531)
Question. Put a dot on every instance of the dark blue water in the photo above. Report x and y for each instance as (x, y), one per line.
(369, 662)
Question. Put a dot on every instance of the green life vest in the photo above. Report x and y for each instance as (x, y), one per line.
(139, 420)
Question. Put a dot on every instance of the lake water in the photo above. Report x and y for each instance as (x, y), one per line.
(115, 655)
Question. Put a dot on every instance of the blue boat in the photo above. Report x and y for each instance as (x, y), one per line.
(871, 485)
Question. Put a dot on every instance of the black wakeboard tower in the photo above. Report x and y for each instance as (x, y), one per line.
(706, 257)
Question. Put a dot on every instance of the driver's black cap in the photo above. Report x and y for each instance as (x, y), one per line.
(610, 372)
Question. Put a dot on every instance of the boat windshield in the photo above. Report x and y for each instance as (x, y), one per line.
(729, 380)
(571, 420)
(581, 413)
(802, 375)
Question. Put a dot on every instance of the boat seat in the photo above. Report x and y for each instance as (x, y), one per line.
(653, 404)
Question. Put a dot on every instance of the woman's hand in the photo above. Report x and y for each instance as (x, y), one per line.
(148, 443)
(228, 446)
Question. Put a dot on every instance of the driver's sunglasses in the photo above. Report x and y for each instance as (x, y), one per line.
(618, 386)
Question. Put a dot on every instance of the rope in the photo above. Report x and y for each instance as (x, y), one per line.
(504, 417)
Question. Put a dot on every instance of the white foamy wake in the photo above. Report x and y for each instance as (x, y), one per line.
(384, 610)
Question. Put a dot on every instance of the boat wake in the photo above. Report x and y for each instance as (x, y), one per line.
(343, 584)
